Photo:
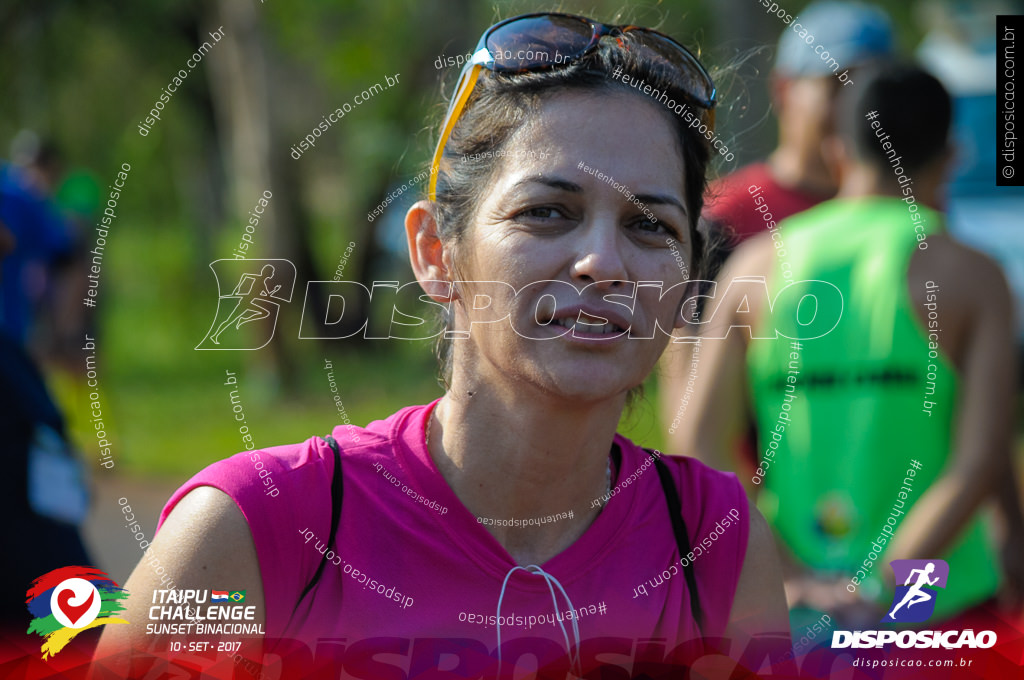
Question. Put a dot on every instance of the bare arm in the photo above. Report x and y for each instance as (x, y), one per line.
(204, 543)
(983, 421)
(719, 402)
(1011, 535)
(1010, 513)
(717, 410)
(759, 608)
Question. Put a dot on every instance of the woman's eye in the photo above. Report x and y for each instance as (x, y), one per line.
(544, 212)
(651, 227)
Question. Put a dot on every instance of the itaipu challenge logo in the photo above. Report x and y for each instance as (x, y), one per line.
(66, 601)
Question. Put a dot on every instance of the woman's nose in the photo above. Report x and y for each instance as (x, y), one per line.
(599, 255)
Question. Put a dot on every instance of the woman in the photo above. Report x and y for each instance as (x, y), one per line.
(506, 525)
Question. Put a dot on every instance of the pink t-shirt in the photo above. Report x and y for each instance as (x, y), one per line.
(417, 581)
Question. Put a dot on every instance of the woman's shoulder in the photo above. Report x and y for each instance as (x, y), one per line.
(711, 498)
(701, 482)
(284, 495)
(298, 474)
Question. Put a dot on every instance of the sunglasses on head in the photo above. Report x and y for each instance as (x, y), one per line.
(546, 40)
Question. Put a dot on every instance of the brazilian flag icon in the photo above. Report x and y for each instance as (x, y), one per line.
(237, 596)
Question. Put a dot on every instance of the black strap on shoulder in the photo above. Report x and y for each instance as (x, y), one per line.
(336, 491)
(675, 511)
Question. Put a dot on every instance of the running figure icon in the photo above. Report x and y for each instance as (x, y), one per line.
(250, 307)
(259, 289)
(916, 594)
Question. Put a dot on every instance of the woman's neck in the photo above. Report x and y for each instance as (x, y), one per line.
(509, 455)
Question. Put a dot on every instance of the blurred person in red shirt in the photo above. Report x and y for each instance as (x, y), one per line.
(805, 85)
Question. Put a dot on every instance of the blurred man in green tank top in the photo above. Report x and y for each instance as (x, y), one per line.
(888, 436)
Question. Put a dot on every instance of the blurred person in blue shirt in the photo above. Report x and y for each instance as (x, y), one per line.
(44, 495)
(42, 238)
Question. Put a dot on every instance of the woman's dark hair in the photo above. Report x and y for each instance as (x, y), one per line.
(501, 103)
(911, 107)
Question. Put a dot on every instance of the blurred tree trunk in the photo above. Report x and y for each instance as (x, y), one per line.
(461, 29)
(241, 89)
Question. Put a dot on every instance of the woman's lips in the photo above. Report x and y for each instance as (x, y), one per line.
(586, 324)
(590, 324)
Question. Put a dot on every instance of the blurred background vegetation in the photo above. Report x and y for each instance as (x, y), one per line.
(84, 75)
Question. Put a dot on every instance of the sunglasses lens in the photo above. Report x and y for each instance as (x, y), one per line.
(671, 54)
(533, 43)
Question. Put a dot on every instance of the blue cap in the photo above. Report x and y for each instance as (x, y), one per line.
(850, 33)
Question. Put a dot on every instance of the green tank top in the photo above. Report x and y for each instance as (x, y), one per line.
(862, 401)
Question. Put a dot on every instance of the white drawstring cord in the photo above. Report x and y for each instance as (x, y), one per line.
(574, 656)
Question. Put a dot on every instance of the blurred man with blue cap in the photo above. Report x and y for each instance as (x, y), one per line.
(818, 55)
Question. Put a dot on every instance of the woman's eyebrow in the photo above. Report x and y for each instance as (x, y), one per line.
(553, 182)
(660, 199)
(566, 185)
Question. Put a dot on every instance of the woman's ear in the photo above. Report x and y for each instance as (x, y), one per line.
(428, 255)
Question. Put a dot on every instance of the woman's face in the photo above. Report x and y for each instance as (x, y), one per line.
(575, 248)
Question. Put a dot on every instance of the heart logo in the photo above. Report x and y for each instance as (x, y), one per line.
(73, 612)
